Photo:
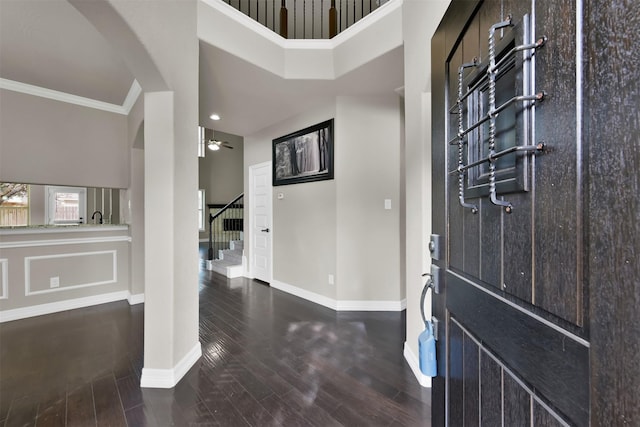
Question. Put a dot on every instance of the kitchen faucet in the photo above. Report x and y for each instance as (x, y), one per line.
(94, 215)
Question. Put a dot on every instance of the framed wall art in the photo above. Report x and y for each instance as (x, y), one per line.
(304, 156)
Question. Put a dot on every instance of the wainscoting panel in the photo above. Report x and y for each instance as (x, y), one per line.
(73, 271)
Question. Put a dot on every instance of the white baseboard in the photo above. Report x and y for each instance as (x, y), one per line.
(70, 304)
(55, 307)
(245, 267)
(135, 299)
(304, 294)
(337, 305)
(234, 271)
(372, 305)
(414, 364)
(168, 378)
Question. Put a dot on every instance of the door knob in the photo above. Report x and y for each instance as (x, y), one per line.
(265, 230)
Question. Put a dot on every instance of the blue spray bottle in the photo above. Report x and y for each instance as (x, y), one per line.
(427, 342)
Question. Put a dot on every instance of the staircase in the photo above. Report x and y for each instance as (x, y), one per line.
(226, 231)
(229, 262)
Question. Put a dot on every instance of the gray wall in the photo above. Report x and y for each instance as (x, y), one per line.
(304, 221)
(340, 227)
(220, 172)
(43, 141)
(367, 150)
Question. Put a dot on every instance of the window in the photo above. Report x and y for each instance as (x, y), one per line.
(201, 220)
(14, 204)
(65, 205)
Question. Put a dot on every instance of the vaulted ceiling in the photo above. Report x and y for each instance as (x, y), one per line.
(48, 44)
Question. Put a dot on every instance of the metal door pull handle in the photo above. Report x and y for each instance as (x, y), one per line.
(265, 230)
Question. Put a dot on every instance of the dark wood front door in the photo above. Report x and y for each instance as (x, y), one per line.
(520, 204)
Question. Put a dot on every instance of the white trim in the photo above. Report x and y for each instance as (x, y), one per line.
(50, 202)
(337, 305)
(46, 229)
(135, 298)
(363, 23)
(27, 272)
(304, 294)
(68, 98)
(55, 307)
(134, 92)
(244, 20)
(234, 271)
(4, 262)
(168, 378)
(245, 267)
(371, 305)
(59, 242)
(201, 210)
(414, 364)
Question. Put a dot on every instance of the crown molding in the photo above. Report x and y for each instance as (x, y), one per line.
(68, 98)
(134, 92)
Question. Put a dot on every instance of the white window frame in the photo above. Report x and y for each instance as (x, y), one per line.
(201, 142)
(201, 210)
(50, 200)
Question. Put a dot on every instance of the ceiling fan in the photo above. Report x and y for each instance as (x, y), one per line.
(215, 145)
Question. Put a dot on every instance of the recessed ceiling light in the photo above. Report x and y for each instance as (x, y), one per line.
(214, 116)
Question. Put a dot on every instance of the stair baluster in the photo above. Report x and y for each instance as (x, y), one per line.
(306, 15)
(225, 226)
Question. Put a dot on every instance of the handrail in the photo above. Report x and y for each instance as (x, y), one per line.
(228, 205)
(234, 229)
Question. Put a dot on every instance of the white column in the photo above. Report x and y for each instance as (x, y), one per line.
(170, 331)
(420, 20)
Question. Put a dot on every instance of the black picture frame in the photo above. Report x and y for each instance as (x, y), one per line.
(304, 156)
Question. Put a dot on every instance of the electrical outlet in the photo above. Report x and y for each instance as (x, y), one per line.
(332, 280)
(54, 282)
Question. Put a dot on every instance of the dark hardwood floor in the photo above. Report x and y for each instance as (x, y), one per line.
(269, 359)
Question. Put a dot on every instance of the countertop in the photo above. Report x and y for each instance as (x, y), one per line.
(36, 229)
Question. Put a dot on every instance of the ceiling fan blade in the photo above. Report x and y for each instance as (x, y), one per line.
(227, 146)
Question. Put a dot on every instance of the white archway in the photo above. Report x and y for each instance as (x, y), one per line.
(158, 42)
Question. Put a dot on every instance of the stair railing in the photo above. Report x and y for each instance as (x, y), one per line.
(225, 226)
(306, 19)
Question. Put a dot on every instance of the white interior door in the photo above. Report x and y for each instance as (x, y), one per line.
(260, 221)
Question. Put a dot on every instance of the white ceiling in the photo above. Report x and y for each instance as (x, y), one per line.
(249, 98)
(47, 43)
